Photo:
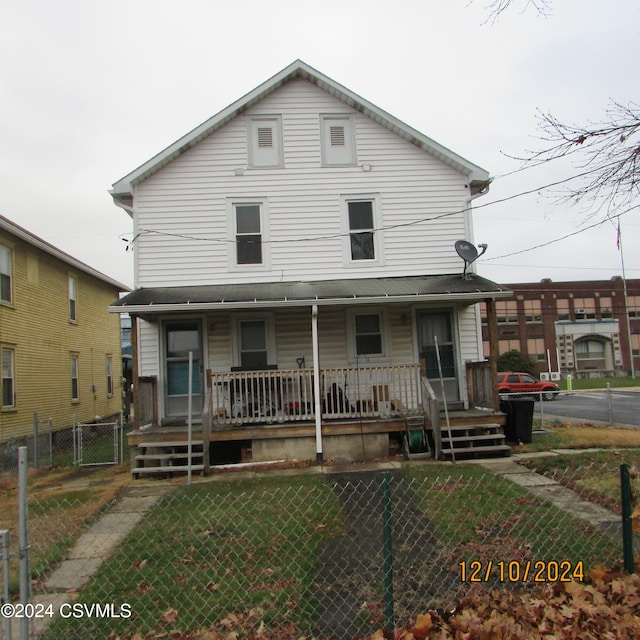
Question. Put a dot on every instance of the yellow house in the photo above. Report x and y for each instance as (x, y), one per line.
(60, 349)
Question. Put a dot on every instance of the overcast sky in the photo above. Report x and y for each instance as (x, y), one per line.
(90, 89)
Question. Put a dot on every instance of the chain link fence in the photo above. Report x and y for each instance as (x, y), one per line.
(97, 442)
(333, 556)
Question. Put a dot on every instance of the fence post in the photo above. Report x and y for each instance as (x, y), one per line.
(627, 529)
(388, 553)
(23, 540)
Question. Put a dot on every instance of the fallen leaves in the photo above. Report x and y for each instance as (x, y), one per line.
(606, 605)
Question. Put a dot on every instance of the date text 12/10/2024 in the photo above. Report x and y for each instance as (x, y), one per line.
(514, 571)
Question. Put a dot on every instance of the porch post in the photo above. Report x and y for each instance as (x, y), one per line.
(492, 323)
(316, 381)
(134, 372)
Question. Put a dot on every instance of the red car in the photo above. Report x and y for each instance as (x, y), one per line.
(526, 384)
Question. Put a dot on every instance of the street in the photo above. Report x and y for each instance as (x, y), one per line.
(615, 406)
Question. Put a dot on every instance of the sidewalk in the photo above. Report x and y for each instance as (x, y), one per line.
(552, 491)
(91, 549)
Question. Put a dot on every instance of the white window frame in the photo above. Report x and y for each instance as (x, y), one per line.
(377, 260)
(73, 298)
(8, 375)
(338, 155)
(6, 271)
(352, 351)
(75, 376)
(259, 156)
(269, 320)
(262, 203)
(109, 368)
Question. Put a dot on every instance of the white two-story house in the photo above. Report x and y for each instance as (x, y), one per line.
(298, 249)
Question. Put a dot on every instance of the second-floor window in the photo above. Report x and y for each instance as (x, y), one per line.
(5, 275)
(249, 234)
(361, 234)
(73, 298)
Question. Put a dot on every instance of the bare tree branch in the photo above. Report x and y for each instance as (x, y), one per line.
(497, 7)
(609, 151)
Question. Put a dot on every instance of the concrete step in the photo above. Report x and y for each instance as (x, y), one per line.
(195, 468)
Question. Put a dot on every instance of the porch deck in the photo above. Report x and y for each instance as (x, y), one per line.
(364, 413)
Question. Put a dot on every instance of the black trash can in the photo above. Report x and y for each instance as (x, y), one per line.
(519, 412)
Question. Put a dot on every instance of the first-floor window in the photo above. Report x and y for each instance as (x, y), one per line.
(253, 344)
(8, 377)
(109, 376)
(368, 333)
(75, 392)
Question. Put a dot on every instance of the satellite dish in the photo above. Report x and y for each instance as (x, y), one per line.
(468, 253)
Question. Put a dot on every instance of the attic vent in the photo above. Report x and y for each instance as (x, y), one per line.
(265, 137)
(337, 136)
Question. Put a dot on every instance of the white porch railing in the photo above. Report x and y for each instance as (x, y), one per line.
(278, 396)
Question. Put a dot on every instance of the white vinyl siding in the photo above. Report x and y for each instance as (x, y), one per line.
(185, 203)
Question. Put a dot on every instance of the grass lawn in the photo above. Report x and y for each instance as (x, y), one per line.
(215, 549)
(486, 517)
(580, 436)
(60, 505)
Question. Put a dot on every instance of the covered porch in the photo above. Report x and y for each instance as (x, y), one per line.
(304, 370)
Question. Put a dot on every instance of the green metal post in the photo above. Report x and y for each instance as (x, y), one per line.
(388, 553)
(627, 530)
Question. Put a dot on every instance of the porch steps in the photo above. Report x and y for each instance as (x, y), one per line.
(473, 441)
(167, 458)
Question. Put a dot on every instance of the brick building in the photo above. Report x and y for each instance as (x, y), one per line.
(586, 328)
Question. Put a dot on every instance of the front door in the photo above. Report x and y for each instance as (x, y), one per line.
(180, 338)
(437, 327)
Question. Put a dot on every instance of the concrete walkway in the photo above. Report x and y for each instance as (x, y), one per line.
(91, 549)
(551, 490)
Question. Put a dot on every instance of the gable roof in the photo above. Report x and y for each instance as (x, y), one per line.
(26, 236)
(122, 190)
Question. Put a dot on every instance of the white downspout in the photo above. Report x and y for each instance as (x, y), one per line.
(316, 381)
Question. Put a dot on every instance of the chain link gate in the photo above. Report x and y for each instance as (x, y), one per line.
(100, 443)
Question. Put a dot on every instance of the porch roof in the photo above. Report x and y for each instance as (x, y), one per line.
(443, 288)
